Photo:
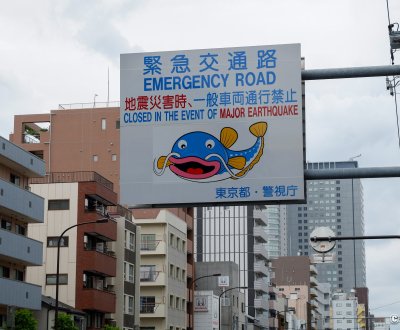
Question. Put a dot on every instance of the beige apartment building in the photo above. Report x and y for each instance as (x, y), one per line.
(163, 270)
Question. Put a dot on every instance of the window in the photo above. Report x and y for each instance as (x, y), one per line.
(95, 158)
(171, 301)
(103, 124)
(114, 157)
(129, 303)
(148, 242)
(15, 179)
(21, 230)
(129, 240)
(171, 270)
(19, 275)
(52, 241)
(51, 279)
(118, 124)
(58, 204)
(5, 224)
(4, 272)
(147, 304)
(177, 302)
(129, 272)
(148, 273)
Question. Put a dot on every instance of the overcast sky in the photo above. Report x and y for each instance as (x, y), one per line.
(57, 52)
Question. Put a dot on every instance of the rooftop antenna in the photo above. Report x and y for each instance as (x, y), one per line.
(108, 85)
(94, 100)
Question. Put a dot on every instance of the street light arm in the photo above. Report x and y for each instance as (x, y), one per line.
(102, 220)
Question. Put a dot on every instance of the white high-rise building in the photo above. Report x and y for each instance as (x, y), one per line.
(344, 311)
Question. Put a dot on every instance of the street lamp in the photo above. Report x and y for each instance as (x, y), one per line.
(219, 301)
(192, 289)
(102, 220)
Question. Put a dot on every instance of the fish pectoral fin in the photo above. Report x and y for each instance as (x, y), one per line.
(237, 162)
(161, 162)
(259, 129)
(228, 137)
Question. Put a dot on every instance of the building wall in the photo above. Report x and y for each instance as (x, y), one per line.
(18, 207)
(54, 224)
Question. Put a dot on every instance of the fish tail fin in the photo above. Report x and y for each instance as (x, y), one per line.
(259, 129)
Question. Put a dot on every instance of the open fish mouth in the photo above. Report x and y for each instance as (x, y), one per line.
(194, 167)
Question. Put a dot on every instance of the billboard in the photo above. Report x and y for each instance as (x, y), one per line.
(213, 126)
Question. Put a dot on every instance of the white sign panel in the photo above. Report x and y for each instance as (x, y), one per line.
(212, 126)
(223, 281)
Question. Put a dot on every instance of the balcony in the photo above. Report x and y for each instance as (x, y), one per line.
(99, 300)
(189, 246)
(261, 303)
(260, 218)
(313, 270)
(262, 320)
(21, 160)
(154, 278)
(99, 262)
(261, 285)
(20, 294)
(260, 267)
(313, 293)
(261, 251)
(313, 281)
(153, 247)
(20, 203)
(20, 249)
(152, 310)
(260, 233)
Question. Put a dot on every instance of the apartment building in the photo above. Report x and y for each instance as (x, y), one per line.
(165, 270)
(87, 259)
(18, 207)
(344, 311)
(296, 278)
(81, 137)
(126, 283)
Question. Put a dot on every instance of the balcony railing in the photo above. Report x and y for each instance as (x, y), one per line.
(89, 105)
(67, 177)
(149, 276)
(149, 245)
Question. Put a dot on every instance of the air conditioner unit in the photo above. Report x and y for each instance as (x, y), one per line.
(110, 281)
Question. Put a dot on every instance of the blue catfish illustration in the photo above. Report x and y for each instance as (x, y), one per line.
(201, 157)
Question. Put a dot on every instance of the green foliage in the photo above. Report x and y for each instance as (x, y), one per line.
(65, 322)
(110, 327)
(24, 320)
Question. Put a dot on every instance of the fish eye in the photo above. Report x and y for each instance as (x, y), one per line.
(182, 144)
(210, 144)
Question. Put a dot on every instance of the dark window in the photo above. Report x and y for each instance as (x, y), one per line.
(19, 275)
(4, 272)
(15, 179)
(52, 278)
(6, 224)
(339, 259)
(305, 221)
(337, 194)
(58, 204)
(147, 304)
(118, 124)
(337, 181)
(337, 188)
(339, 220)
(340, 266)
(338, 201)
(300, 228)
(52, 241)
(305, 214)
(337, 207)
(338, 214)
(21, 230)
(299, 221)
(340, 272)
(305, 227)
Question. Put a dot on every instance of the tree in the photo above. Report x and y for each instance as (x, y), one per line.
(110, 327)
(65, 322)
(24, 320)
